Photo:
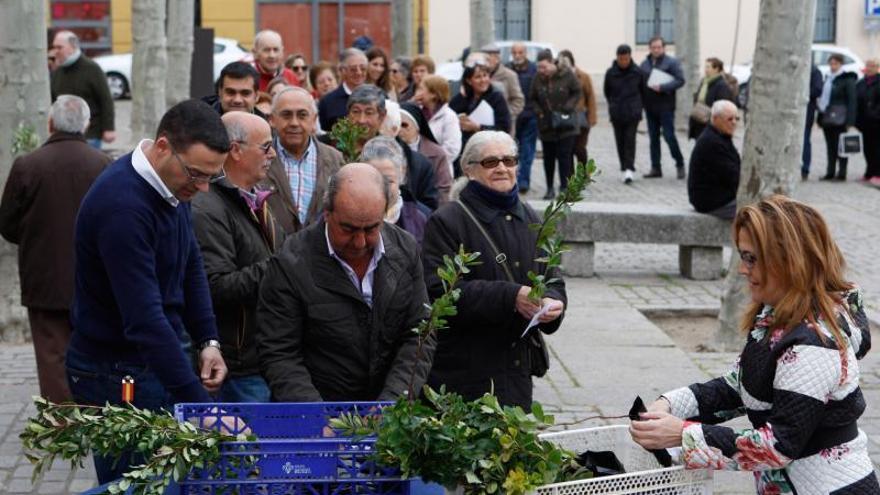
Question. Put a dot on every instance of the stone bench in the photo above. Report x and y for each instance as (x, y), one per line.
(700, 237)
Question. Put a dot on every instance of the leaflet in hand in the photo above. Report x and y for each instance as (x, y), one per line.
(534, 322)
(659, 78)
(483, 114)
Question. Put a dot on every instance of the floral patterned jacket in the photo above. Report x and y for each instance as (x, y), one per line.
(801, 394)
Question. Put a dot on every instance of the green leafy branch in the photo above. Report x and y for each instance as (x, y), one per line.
(453, 269)
(24, 140)
(549, 241)
(171, 448)
(348, 136)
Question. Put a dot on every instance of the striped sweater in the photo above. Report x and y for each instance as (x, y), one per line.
(802, 397)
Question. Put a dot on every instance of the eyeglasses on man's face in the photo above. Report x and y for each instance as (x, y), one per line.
(509, 161)
(195, 176)
(265, 147)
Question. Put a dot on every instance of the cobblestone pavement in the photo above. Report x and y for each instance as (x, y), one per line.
(607, 351)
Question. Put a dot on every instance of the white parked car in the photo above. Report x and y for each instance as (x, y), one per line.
(118, 67)
(820, 54)
(453, 70)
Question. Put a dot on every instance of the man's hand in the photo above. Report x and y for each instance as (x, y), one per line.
(108, 136)
(523, 305)
(212, 368)
(657, 430)
(655, 87)
(554, 312)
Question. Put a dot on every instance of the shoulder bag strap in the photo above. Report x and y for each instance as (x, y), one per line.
(500, 257)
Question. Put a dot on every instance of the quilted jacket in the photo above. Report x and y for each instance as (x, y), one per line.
(801, 394)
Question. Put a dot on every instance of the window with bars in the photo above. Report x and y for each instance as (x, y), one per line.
(653, 18)
(826, 20)
(513, 19)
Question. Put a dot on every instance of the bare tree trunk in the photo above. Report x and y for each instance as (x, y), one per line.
(181, 14)
(148, 67)
(482, 23)
(687, 50)
(24, 99)
(401, 27)
(775, 131)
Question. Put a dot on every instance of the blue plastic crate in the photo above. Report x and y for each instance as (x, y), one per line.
(292, 455)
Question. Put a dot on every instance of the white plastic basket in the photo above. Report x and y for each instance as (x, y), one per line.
(643, 473)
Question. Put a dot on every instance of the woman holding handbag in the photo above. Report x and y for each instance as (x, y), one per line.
(554, 96)
(486, 347)
(713, 87)
(837, 113)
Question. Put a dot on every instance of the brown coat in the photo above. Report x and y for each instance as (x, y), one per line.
(38, 212)
(329, 161)
(588, 101)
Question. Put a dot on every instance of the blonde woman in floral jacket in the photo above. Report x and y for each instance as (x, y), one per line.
(797, 378)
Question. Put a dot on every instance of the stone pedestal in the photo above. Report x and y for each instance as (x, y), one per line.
(700, 262)
(579, 262)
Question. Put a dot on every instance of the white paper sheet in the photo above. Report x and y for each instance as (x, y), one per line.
(483, 114)
(659, 78)
(534, 322)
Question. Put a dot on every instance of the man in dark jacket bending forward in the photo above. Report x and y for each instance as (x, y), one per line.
(338, 303)
(714, 167)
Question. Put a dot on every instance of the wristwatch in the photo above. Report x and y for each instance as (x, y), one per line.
(210, 343)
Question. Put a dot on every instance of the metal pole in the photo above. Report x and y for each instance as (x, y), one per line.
(316, 32)
(421, 31)
(340, 11)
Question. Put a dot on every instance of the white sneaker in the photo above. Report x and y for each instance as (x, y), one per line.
(627, 177)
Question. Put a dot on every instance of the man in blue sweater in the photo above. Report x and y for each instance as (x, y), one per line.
(141, 295)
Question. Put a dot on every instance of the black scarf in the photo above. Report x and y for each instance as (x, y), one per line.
(502, 201)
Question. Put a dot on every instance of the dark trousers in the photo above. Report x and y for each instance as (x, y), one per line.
(807, 154)
(526, 141)
(835, 162)
(95, 382)
(580, 144)
(625, 139)
(50, 331)
(666, 121)
(871, 148)
(560, 150)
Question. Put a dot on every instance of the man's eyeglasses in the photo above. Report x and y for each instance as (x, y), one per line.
(748, 259)
(509, 161)
(198, 177)
(265, 147)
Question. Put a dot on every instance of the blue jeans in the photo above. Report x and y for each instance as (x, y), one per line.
(94, 142)
(251, 388)
(526, 141)
(94, 382)
(666, 121)
(807, 154)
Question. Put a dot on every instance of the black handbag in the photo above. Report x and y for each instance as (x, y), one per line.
(539, 357)
(833, 116)
(561, 121)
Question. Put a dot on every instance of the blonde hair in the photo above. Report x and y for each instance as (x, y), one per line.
(438, 87)
(794, 247)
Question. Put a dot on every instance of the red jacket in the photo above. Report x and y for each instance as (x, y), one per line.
(266, 77)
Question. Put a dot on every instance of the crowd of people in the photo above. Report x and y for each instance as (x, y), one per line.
(235, 256)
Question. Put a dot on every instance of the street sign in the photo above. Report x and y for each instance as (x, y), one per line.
(872, 8)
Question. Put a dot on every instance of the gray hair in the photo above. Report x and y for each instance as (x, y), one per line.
(367, 94)
(266, 32)
(336, 179)
(237, 130)
(405, 63)
(294, 89)
(350, 52)
(385, 148)
(71, 38)
(473, 151)
(722, 107)
(70, 114)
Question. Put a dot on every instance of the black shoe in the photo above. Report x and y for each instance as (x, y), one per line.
(550, 194)
(827, 177)
(804, 176)
(839, 178)
(679, 173)
(655, 173)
